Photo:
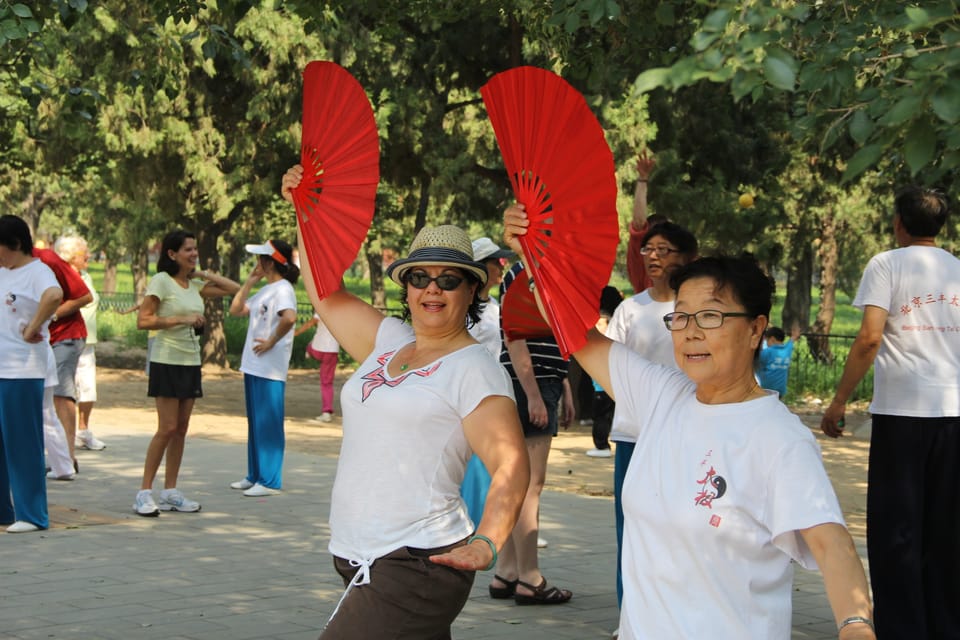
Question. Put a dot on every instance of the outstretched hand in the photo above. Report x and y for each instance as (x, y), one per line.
(291, 180)
(475, 556)
(515, 224)
(645, 164)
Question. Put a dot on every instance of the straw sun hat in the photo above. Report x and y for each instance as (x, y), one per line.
(445, 246)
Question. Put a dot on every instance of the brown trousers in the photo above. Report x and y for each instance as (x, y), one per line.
(408, 598)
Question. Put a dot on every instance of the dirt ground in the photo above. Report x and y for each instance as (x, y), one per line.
(220, 415)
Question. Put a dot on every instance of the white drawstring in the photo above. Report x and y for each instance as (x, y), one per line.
(360, 578)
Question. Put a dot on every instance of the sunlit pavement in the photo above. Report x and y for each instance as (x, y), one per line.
(258, 567)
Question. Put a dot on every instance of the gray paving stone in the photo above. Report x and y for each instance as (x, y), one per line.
(258, 568)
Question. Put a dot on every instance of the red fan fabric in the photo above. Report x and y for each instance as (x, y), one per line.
(519, 315)
(340, 154)
(562, 170)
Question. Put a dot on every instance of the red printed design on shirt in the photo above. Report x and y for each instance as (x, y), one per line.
(712, 487)
(378, 377)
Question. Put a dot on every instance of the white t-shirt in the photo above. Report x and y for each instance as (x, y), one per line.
(713, 500)
(323, 341)
(487, 331)
(404, 452)
(917, 369)
(265, 307)
(638, 324)
(22, 289)
(89, 311)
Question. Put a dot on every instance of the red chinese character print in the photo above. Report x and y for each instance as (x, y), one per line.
(378, 378)
(712, 487)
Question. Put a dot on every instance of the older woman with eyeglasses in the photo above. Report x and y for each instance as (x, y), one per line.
(425, 396)
(638, 324)
(726, 487)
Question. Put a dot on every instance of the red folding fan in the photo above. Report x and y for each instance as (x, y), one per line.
(519, 315)
(561, 169)
(340, 154)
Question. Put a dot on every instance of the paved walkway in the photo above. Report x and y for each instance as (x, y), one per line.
(258, 567)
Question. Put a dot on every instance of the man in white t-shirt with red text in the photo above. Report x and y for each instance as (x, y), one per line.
(910, 298)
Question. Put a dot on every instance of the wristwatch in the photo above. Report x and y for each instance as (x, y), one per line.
(54, 317)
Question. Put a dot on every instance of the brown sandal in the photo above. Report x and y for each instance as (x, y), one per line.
(505, 592)
(542, 594)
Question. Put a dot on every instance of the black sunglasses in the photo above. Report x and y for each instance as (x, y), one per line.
(420, 280)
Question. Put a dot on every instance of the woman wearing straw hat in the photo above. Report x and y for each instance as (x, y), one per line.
(424, 397)
(266, 359)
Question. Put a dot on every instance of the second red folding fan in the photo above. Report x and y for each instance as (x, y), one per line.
(562, 170)
(340, 154)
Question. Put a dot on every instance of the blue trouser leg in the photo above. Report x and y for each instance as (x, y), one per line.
(265, 444)
(22, 471)
(621, 459)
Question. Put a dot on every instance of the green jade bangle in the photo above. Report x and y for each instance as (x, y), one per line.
(493, 548)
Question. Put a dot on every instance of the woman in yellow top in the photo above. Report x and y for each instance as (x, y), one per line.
(173, 307)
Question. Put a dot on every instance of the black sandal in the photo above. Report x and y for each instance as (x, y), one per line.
(542, 594)
(503, 593)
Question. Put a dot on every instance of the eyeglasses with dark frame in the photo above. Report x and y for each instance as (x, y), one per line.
(705, 318)
(662, 252)
(420, 280)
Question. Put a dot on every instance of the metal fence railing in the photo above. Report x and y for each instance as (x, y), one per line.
(818, 361)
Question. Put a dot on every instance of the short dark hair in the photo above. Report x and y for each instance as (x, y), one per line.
(922, 211)
(473, 311)
(289, 271)
(740, 275)
(15, 234)
(685, 241)
(610, 299)
(776, 333)
(173, 241)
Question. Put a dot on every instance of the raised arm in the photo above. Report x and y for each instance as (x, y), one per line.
(216, 285)
(353, 322)
(636, 269)
(238, 306)
(594, 356)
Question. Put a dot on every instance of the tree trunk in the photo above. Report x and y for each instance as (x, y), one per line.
(109, 284)
(796, 304)
(374, 255)
(140, 267)
(213, 344)
(819, 346)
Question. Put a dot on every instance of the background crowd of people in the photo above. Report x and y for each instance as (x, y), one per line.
(716, 481)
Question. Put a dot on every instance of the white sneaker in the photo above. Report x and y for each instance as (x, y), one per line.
(258, 491)
(326, 417)
(144, 504)
(241, 484)
(599, 453)
(174, 500)
(541, 543)
(616, 634)
(86, 440)
(52, 476)
(22, 526)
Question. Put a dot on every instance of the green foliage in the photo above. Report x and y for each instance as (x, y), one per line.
(879, 80)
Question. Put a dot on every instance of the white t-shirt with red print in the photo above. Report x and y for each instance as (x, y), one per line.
(917, 369)
(404, 452)
(713, 501)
